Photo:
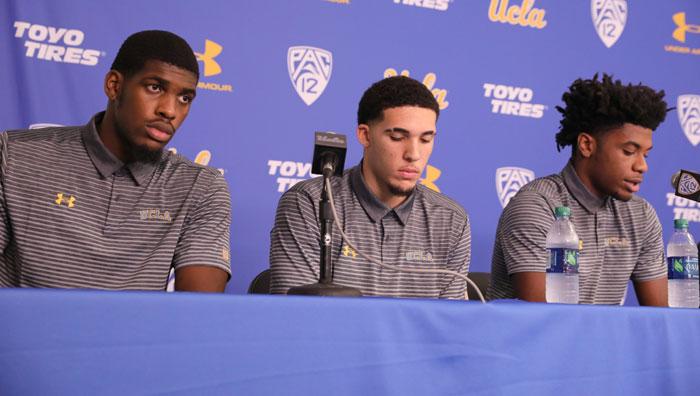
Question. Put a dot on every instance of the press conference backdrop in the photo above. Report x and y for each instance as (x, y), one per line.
(273, 72)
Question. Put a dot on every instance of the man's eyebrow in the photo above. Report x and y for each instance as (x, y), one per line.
(632, 143)
(407, 132)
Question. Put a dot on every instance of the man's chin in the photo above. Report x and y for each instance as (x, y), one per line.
(402, 190)
(146, 154)
(623, 196)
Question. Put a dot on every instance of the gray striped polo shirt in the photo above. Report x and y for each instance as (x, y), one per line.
(428, 230)
(621, 240)
(73, 216)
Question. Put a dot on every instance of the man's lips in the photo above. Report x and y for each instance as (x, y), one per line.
(409, 173)
(160, 131)
(633, 184)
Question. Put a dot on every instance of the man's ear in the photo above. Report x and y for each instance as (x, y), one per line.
(586, 144)
(114, 82)
(363, 135)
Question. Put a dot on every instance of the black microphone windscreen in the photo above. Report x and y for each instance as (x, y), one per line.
(329, 147)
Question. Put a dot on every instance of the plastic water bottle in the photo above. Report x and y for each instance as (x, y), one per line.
(682, 259)
(562, 269)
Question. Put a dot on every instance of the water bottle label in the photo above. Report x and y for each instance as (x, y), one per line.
(683, 268)
(563, 261)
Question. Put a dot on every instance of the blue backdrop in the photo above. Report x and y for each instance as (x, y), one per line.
(273, 72)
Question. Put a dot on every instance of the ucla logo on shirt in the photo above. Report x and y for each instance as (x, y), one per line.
(211, 67)
(509, 180)
(310, 71)
(429, 82)
(609, 19)
(154, 214)
(689, 117)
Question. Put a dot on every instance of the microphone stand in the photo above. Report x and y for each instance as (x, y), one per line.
(325, 285)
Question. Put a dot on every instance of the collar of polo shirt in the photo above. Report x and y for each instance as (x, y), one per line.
(576, 187)
(374, 208)
(105, 162)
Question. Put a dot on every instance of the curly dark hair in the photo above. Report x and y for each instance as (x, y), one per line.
(158, 45)
(595, 107)
(392, 92)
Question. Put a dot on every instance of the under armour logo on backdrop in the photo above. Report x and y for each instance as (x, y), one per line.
(310, 70)
(609, 19)
(211, 51)
(682, 27)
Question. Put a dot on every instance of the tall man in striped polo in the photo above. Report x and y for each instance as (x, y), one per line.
(609, 128)
(381, 206)
(103, 205)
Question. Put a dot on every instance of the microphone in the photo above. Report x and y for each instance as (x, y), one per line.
(329, 159)
(329, 154)
(686, 184)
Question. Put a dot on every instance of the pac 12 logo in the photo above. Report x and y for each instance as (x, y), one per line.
(689, 117)
(55, 44)
(310, 71)
(509, 180)
(514, 101)
(609, 19)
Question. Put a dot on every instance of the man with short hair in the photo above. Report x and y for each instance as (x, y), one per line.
(381, 206)
(104, 206)
(609, 128)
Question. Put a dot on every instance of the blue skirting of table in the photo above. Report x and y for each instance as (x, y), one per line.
(128, 343)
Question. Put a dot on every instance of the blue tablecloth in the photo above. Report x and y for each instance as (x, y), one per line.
(126, 343)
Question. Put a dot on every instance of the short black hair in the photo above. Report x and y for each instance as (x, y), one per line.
(396, 91)
(159, 45)
(594, 106)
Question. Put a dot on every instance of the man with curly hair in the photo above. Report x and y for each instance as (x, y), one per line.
(609, 128)
(382, 207)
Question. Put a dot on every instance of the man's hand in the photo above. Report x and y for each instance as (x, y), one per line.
(529, 286)
(200, 278)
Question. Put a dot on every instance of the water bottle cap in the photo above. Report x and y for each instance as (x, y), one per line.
(562, 211)
(680, 223)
